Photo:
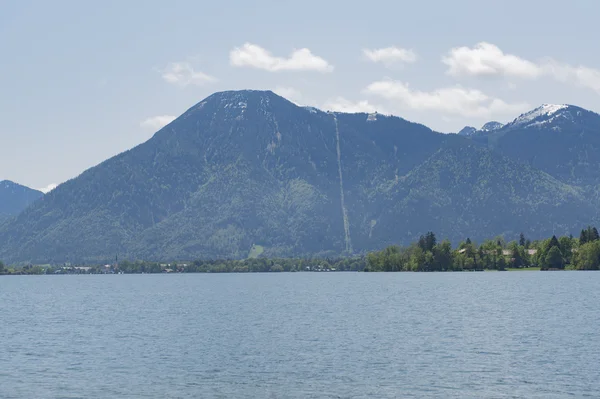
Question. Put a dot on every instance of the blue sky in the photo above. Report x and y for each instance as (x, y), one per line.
(81, 81)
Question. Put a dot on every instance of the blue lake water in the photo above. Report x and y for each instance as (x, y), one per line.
(301, 335)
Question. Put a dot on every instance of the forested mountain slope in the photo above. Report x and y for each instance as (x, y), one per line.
(251, 168)
(14, 198)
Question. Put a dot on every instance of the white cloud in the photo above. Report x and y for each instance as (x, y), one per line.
(341, 104)
(288, 93)
(390, 55)
(157, 122)
(183, 74)
(252, 55)
(451, 100)
(486, 59)
(48, 188)
(579, 75)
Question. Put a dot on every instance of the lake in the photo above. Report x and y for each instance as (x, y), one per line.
(301, 335)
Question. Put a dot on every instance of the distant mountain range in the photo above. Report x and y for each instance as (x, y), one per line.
(488, 127)
(562, 140)
(14, 198)
(249, 168)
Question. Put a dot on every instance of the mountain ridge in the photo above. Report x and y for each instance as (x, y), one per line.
(562, 140)
(245, 168)
(14, 198)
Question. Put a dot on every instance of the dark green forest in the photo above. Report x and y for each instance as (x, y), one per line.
(242, 169)
(14, 198)
(554, 253)
(426, 255)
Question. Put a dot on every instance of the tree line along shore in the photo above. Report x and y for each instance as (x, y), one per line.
(426, 255)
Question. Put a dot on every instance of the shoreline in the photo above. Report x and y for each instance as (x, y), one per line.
(531, 269)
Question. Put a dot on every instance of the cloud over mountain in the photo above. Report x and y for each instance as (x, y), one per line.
(486, 59)
(341, 104)
(184, 74)
(48, 188)
(450, 100)
(254, 56)
(157, 122)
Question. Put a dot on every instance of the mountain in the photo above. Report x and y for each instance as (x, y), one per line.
(249, 168)
(488, 127)
(491, 126)
(562, 140)
(467, 131)
(14, 198)
(467, 190)
(548, 114)
(237, 169)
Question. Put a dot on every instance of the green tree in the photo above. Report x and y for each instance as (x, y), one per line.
(501, 265)
(417, 259)
(431, 240)
(500, 241)
(468, 256)
(594, 234)
(374, 261)
(276, 268)
(2, 267)
(489, 254)
(554, 258)
(583, 237)
(588, 256)
(566, 248)
(589, 234)
(442, 254)
(428, 241)
(522, 240)
(36, 270)
(422, 243)
(517, 252)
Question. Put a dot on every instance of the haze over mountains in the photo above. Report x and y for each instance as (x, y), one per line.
(14, 198)
(250, 168)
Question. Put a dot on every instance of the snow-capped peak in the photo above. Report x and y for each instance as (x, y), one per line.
(312, 110)
(546, 110)
(467, 131)
(490, 126)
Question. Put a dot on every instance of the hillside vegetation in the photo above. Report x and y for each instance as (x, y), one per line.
(248, 169)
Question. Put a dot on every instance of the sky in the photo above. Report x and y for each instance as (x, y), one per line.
(82, 81)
